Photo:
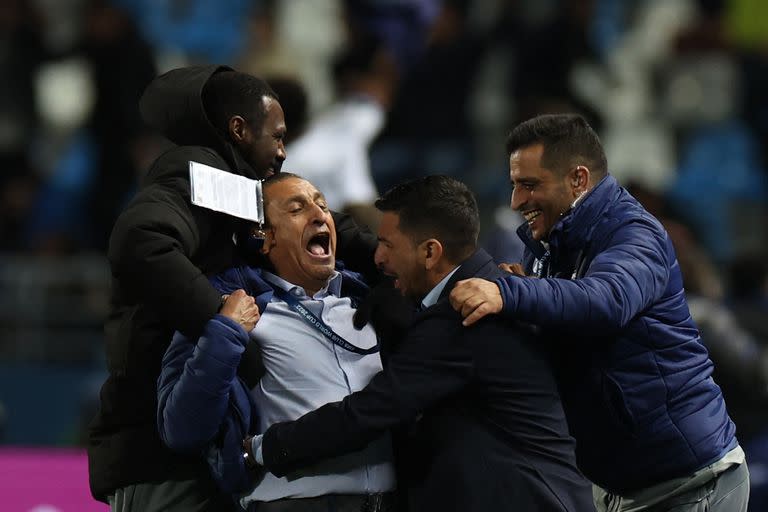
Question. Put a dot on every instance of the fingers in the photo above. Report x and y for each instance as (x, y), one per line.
(475, 298)
(512, 268)
(241, 308)
(250, 318)
(462, 290)
(475, 314)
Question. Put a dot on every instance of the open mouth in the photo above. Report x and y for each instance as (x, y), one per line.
(320, 245)
(531, 215)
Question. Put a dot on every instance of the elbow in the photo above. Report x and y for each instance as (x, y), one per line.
(180, 436)
(183, 443)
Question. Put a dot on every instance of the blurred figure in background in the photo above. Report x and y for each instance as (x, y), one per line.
(21, 54)
(121, 139)
(333, 149)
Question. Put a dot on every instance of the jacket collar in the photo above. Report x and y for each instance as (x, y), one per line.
(576, 224)
(480, 264)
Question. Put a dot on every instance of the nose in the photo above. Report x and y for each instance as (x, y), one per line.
(378, 257)
(319, 213)
(517, 200)
(281, 150)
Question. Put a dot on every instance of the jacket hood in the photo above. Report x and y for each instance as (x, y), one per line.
(172, 104)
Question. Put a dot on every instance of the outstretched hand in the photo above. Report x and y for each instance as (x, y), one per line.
(241, 308)
(475, 298)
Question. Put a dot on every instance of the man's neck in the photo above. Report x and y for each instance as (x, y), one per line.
(310, 287)
(437, 284)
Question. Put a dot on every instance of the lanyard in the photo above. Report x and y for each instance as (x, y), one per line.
(318, 324)
(541, 266)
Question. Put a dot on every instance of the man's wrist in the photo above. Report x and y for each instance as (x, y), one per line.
(248, 458)
(252, 454)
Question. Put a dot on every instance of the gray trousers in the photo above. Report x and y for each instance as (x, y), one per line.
(171, 496)
(727, 492)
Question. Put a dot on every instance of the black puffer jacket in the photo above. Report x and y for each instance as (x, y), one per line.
(161, 251)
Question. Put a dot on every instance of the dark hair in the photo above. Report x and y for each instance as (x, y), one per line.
(232, 93)
(568, 141)
(436, 207)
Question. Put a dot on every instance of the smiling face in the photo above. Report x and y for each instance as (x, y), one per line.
(397, 255)
(263, 147)
(301, 235)
(540, 194)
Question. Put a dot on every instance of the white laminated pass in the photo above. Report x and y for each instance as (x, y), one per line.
(225, 192)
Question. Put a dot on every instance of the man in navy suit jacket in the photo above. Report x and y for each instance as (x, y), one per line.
(486, 427)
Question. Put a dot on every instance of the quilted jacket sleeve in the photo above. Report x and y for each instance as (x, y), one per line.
(627, 275)
(195, 382)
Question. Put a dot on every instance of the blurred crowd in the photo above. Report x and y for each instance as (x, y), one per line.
(675, 88)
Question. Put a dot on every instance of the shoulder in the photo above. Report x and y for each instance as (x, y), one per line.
(174, 163)
(627, 217)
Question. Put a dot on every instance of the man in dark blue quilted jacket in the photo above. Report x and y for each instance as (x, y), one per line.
(601, 276)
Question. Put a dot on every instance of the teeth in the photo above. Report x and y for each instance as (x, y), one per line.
(529, 216)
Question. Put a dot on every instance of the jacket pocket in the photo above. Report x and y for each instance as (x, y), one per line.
(616, 405)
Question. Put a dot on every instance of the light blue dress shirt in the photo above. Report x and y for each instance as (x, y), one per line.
(431, 298)
(305, 370)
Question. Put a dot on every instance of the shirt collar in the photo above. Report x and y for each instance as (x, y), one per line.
(332, 287)
(434, 294)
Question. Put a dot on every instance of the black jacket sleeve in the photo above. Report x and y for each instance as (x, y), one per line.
(355, 246)
(150, 250)
(434, 362)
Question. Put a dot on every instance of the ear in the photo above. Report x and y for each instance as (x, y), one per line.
(432, 252)
(269, 241)
(579, 177)
(238, 129)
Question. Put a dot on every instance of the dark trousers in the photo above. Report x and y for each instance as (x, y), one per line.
(383, 502)
(726, 492)
(172, 496)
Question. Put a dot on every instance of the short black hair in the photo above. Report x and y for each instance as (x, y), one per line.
(438, 207)
(232, 93)
(568, 140)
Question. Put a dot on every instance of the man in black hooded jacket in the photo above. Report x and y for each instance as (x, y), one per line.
(161, 250)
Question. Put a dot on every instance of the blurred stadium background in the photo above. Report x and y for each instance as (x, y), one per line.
(676, 89)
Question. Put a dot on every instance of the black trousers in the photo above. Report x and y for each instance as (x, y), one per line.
(382, 502)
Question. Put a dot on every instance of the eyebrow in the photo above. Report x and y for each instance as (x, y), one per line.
(300, 198)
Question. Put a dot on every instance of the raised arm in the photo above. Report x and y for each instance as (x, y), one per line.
(196, 378)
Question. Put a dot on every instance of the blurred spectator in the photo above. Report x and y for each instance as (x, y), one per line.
(748, 292)
(121, 64)
(21, 53)
(192, 30)
(100, 146)
(333, 150)
(428, 130)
